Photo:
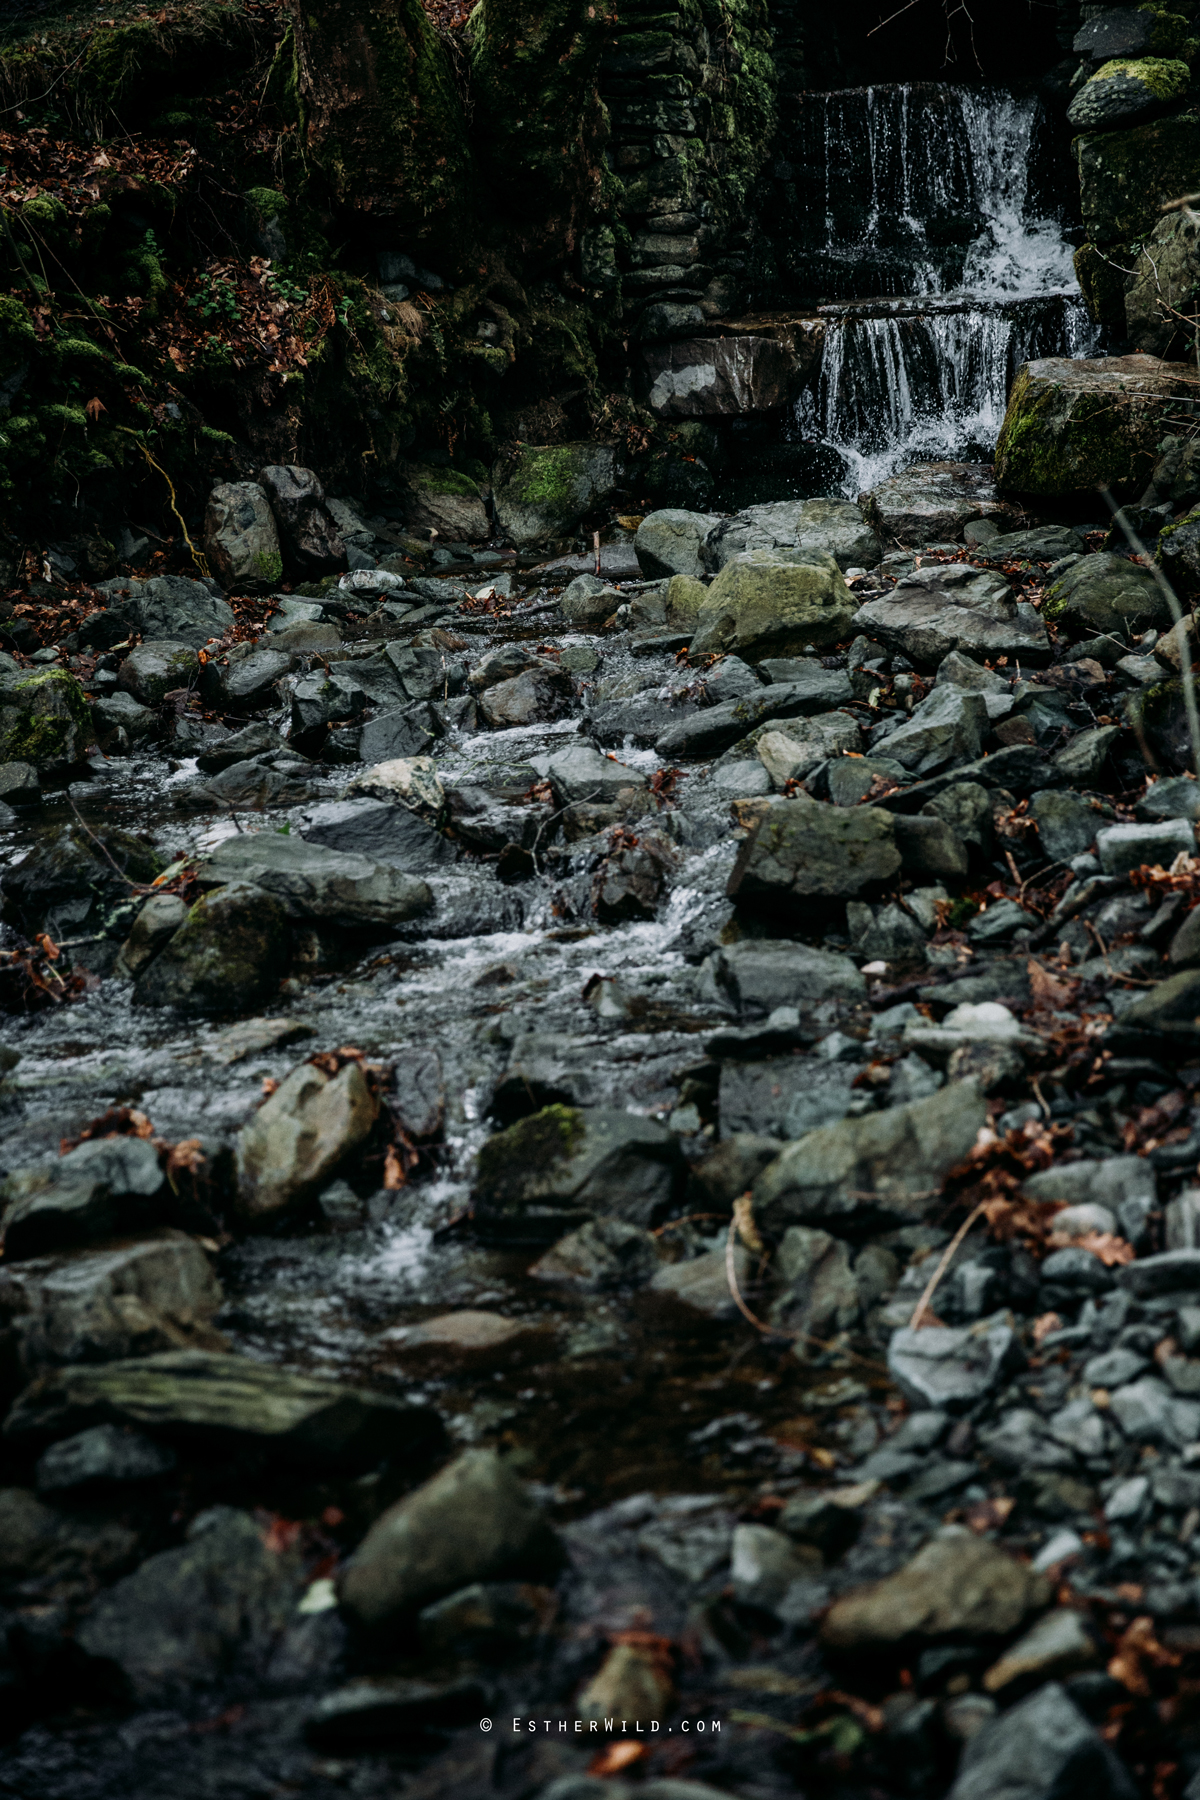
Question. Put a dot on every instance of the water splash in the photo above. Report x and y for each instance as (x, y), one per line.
(932, 193)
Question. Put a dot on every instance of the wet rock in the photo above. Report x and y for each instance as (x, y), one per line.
(1043, 543)
(252, 740)
(109, 1302)
(957, 1583)
(831, 527)
(820, 1296)
(544, 491)
(702, 377)
(392, 835)
(1171, 797)
(374, 1711)
(229, 954)
(406, 781)
(581, 773)
(104, 1186)
(1082, 761)
(541, 692)
(204, 1397)
(1042, 1749)
(731, 1169)
(121, 712)
(604, 1253)
(631, 879)
(670, 542)
(315, 883)
(702, 1282)
(898, 1157)
(245, 684)
(775, 603)
(405, 733)
(803, 848)
(549, 1173)
(947, 729)
(240, 539)
(464, 1332)
(300, 1136)
(474, 1521)
(445, 501)
(1165, 1273)
(157, 922)
(1059, 1644)
(1108, 593)
(418, 1100)
(1168, 1009)
(949, 1367)
(761, 974)
(784, 1098)
(169, 607)
(1125, 847)
(309, 538)
(765, 1563)
(716, 728)
(493, 1620)
(19, 785)
(589, 601)
(936, 611)
(631, 1683)
(103, 1455)
(45, 720)
(931, 503)
(56, 1552)
(155, 667)
(191, 1616)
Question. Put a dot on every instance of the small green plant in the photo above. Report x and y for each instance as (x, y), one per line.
(216, 298)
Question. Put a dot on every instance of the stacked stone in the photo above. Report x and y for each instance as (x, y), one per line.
(1139, 149)
(690, 93)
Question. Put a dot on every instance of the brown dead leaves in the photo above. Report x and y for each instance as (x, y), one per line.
(1154, 1125)
(1138, 1652)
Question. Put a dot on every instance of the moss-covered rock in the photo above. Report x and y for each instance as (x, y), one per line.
(544, 491)
(1125, 92)
(1102, 275)
(445, 501)
(228, 956)
(775, 603)
(240, 538)
(1071, 426)
(1107, 595)
(1125, 176)
(44, 720)
(1179, 553)
(549, 1173)
(1165, 282)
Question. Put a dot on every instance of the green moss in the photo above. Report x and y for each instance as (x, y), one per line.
(532, 1146)
(269, 564)
(1171, 36)
(547, 477)
(268, 203)
(1125, 176)
(1165, 80)
(44, 719)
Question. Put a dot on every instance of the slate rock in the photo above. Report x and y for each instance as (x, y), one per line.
(121, 712)
(930, 847)
(155, 667)
(1107, 593)
(245, 684)
(474, 1521)
(764, 1563)
(374, 1712)
(392, 835)
(1041, 1749)
(819, 1295)
(170, 607)
(931, 503)
(551, 1172)
(951, 1367)
(605, 1253)
(189, 1617)
(308, 535)
(1169, 1271)
(760, 974)
(945, 730)
(1066, 824)
(313, 882)
(1125, 847)
(199, 1397)
(101, 1455)
(898, 1157)
(956, 1584)
(936, 611)
(802, 848)
(582, 773)
(833, 527)
(258, 739)
(543, 491)
(784, 1098)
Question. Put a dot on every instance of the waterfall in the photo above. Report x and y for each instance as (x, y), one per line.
(925, 221)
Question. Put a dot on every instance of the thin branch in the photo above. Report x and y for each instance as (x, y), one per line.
(914, 1323)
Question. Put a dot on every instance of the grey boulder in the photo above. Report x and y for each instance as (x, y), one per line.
(313, 882)
(936, 611)
(551, 1172)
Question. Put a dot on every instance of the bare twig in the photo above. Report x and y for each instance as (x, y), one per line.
(914, 1323)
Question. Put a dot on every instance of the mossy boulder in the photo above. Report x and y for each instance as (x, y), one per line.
(240, 538)
(445, 501)
(544, 491)
(1164, 283)
(45, 719)
(1126, 92)
(1071, 426)
(775, 603)
(228, 956)
(1107, 594)
(1125, 176)
(550, 1173)
(1102, 276)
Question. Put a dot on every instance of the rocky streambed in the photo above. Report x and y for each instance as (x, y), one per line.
(598, 1172)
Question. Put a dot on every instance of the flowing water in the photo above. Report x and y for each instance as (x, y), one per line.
(929, 225)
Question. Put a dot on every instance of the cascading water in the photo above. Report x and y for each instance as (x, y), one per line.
(926, 223)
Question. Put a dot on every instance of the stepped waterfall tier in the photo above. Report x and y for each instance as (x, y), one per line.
(930, 229)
